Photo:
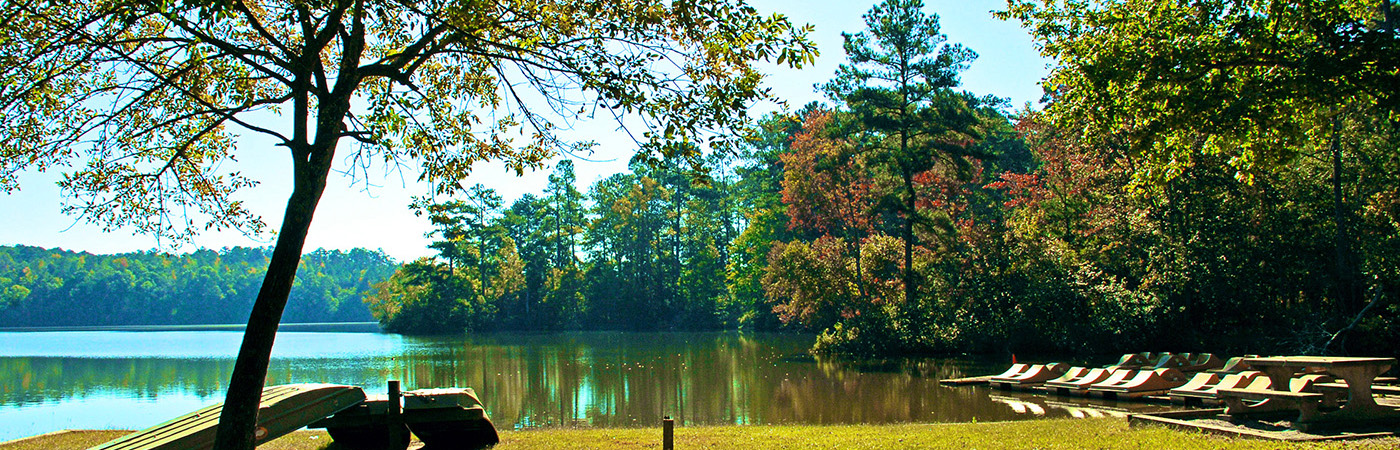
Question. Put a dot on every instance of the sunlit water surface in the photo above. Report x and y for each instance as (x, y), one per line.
(130, 380)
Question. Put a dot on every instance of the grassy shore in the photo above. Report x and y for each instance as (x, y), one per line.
(1038, 434)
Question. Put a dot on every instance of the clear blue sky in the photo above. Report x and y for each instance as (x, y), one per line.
(377, 216)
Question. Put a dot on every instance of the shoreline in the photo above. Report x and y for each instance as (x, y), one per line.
(1033, 434)
(323, 327)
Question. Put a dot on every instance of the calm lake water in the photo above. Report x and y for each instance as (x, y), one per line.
(134, 379)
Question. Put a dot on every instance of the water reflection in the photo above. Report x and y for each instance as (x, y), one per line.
(1054, 406)
(133, 380)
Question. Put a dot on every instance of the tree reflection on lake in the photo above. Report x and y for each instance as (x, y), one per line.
(51, 381)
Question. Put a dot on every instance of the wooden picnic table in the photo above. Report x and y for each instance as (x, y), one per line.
(1359, 373)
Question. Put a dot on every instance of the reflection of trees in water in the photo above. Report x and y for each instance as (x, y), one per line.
(26, 380)
(616, 379)
(600, 379)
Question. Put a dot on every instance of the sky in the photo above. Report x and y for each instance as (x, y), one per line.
(373, 212)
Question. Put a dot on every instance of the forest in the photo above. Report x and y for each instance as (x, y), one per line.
(54, 287)
(1200, 176)
(1208, 177)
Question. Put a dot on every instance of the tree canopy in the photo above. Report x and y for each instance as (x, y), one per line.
(1258, 82)
(145, 100)
(904, 116)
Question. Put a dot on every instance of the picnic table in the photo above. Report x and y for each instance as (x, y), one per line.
(1358, 372)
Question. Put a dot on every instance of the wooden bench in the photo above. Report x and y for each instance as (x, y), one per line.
(1307, 402)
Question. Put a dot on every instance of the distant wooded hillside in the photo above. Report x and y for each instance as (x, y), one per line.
(55, 287)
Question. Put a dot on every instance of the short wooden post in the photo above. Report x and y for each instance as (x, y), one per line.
(668, 433)
(395, 414)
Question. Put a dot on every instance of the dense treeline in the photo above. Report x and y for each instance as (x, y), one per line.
(1238, 196)
(1217, 174)
(646, 250)
(1207, 209)
(53, 287)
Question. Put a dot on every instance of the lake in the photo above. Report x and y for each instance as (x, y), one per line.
(55, 380)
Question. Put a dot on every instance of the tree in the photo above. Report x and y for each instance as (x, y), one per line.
(566, 214)
(827, 189)
(464, 225)
(424, 297)
(626, 242)
(1260, 86)
(765, 219)
(149, 96)
(1254, 80)
(898, 86)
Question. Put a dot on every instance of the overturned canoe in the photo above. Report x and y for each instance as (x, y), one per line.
(366, 426)
(448, 418)
(283, 409)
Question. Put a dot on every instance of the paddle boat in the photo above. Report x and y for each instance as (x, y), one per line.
(1141, 384)
(1033, 376)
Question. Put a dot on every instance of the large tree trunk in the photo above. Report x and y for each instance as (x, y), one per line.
(238, 421)
(312, 154)
(1388, 12)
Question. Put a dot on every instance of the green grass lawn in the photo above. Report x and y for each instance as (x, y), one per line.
(1038, 434)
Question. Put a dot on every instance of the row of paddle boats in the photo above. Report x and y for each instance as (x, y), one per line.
(1183, 378)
